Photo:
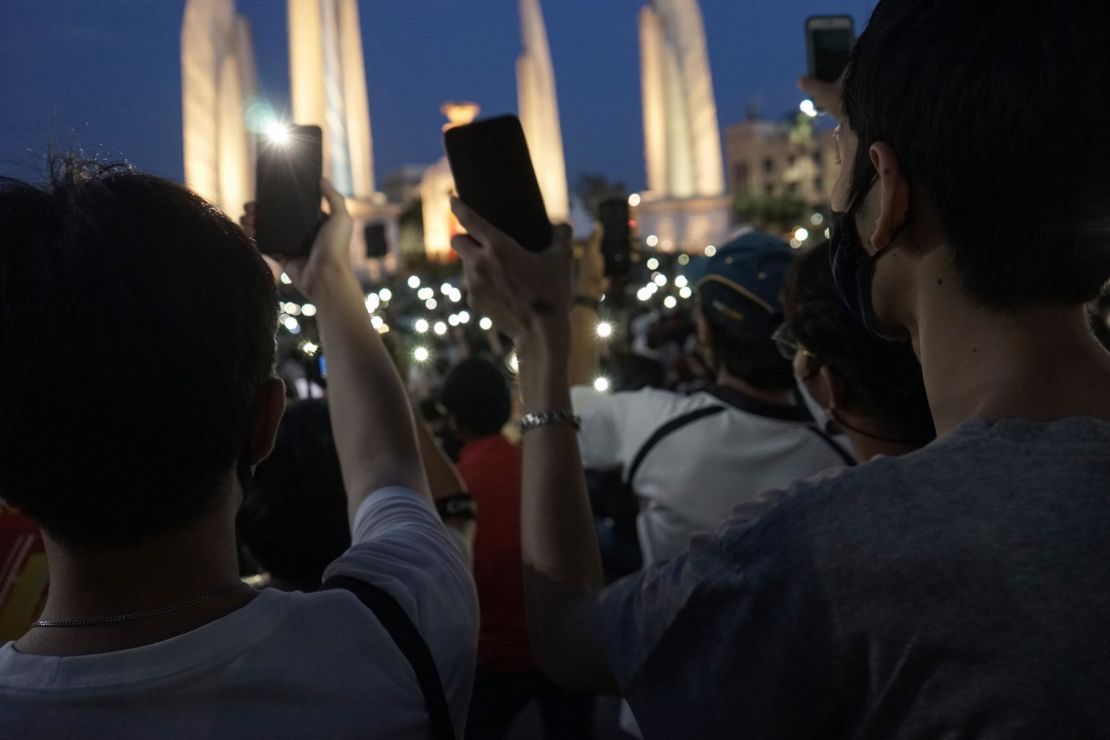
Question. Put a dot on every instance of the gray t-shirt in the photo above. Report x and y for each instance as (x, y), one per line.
(959, 591)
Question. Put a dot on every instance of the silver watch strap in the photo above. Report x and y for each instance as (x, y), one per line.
(550, 418)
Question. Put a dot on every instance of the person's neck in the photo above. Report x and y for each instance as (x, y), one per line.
(164, 571)
(778, 398)
(1039, 364)
(866, 445)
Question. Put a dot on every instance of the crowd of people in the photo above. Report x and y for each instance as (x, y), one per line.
(853, 490)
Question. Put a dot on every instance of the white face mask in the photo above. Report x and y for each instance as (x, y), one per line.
(820, 416)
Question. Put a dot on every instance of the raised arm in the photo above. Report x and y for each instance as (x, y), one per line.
(529, 296)
(590, 286)
(370, 414)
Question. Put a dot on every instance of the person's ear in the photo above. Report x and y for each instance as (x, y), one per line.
(832, 387)
(268, 409)
(894, 195)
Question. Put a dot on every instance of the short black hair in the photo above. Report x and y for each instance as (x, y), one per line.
(477, 393)
(755, 360)
(294, 518)
(997, 110)
(883, 379)
(138, 325)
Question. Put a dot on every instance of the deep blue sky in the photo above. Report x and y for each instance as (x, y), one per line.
(104, 75)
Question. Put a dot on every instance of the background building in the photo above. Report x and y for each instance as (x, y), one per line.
(778, 158)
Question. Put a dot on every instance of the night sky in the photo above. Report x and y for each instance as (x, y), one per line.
(104, 75)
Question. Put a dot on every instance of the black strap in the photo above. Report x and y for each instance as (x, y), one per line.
(411, 644)
(665, 431)
(846, 456)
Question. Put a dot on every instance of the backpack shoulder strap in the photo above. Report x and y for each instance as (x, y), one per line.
(665, 431)
(411, 644)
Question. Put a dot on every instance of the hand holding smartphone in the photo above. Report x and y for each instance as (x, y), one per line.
(495, 178)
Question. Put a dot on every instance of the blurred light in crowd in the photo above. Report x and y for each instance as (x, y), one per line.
(670, 301)
(277, 132)
(601, 385)
(446, 289)
(514, 363)
(453, 320)
(414, 282)
(291, 325)
(828, 233)
(310, 348)
(285, 279)
(308, 310)
(372, 303)
(634, 200)
(604, 329)
(292, 309)
(808, 108)
(659, 279)
(486, 323)
(456, 295)
(685, 293)
(421, 354)
(425, 294)
(652, 240)
(817, 219)
(681, 281)
(464, 317)
(653, 264)
(644, 295)
(421, 326)
(431, 304)
(379, 323)
(386, 295)
(684, 259)
(801, 234)
(795, 244)
(710, 250)
(440, 328)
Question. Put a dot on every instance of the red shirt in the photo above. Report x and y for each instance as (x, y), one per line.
(491, 467)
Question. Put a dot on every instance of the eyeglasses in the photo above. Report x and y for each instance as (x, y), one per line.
(788, 345)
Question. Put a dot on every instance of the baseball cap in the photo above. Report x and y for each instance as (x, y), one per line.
(740, 289)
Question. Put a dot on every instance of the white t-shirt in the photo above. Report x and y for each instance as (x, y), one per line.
(692, 480)
(286, 665)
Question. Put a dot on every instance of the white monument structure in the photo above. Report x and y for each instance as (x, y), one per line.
(685, 206)
(217, 81)
(539, 111)
(327, 77)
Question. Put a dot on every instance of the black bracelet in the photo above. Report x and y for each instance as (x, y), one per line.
(457, 506)
(587, 302)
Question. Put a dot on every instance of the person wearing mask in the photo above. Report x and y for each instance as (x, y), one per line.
(136, 487)
(854, 383)
(958, 590)
(478, 401)
(691, 459)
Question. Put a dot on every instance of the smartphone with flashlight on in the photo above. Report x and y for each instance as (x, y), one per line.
(494, 176)
(287, 204)
(829, 40)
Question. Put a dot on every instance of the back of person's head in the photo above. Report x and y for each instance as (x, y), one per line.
(477, 394)
(740, 299)
(138, 325)
(881, 379)
(997, 111)
(294, 518)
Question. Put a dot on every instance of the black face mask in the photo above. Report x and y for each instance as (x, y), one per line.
(853, 268)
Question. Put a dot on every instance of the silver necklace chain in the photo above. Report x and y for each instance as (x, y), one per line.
(96, 621)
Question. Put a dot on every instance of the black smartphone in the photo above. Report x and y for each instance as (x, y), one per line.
(829, 40)
(287, 204)
(616, 239)
(494, 176)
